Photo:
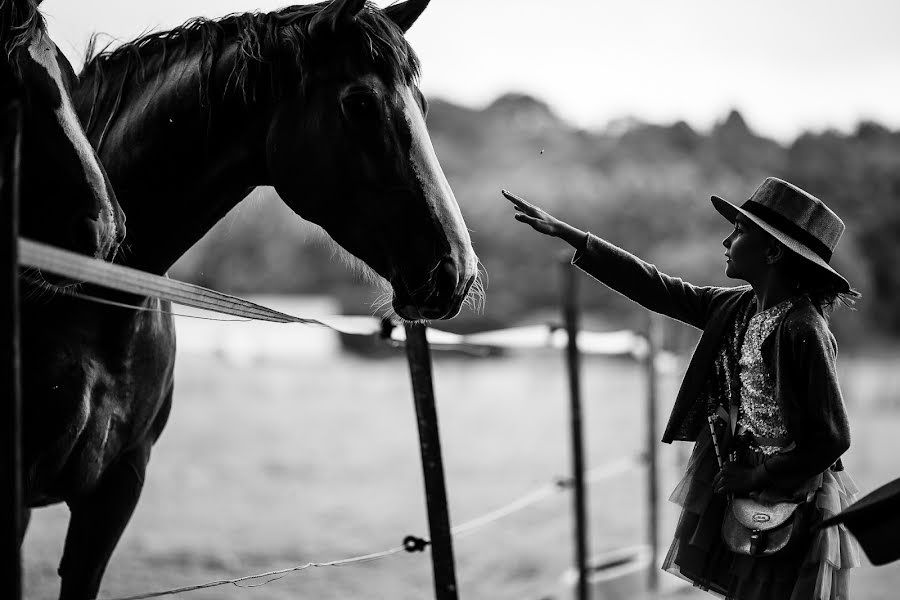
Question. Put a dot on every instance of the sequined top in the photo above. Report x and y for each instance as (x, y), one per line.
(759, 410)
(739, 377)
(723, 384)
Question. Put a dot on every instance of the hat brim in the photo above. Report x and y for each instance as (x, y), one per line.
(730, 212)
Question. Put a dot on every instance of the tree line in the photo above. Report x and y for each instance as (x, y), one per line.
(643, 186)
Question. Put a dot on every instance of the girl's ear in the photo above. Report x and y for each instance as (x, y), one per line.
(775, 252)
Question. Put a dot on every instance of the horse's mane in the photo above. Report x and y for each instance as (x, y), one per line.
(274, 40)
(20, 23)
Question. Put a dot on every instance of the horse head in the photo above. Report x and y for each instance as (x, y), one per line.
(358, 161)
(67, 200)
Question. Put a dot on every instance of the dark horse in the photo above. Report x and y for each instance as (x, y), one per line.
(319, 101)
(67, 200)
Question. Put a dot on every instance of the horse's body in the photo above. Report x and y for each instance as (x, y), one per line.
(318, 101)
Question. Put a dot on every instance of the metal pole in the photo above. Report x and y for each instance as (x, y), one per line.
(419, 356)
(573, 363)
(654, 331)
(11, 511)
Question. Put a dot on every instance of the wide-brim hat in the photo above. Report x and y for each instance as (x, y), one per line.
(795, 218)
(875, 522)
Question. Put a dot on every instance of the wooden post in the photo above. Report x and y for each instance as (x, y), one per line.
(654, 331)
(419, 357)
(11, 511)
(573, 364)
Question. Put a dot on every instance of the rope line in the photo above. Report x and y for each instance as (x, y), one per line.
(99, 300)
(474, 344)
(125, 279)
(78, 267)
(413, 543)
(353, 324)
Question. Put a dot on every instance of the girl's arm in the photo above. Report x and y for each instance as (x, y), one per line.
(625, 273)
(815, 413)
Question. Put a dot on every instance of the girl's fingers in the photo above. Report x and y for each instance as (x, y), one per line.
(512, 197)
(519, 202)
(522, 217)
(525, 208)
(527, 213)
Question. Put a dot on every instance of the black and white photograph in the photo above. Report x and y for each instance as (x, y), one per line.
(450, 299)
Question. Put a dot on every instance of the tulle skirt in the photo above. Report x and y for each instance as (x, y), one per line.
(814, 567)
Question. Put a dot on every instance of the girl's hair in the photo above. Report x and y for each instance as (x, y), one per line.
(822, 289)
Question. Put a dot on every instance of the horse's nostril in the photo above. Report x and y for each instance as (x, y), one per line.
(447, 276)
(85, 235)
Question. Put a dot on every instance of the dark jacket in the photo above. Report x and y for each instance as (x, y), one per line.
(800, 352)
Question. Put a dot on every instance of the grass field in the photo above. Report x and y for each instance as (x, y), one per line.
(270, 465)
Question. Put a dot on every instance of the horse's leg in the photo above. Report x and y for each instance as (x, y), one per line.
(97, 522)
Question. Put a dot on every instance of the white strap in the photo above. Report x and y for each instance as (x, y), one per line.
(125, 279)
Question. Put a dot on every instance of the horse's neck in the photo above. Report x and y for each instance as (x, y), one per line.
(179, 160)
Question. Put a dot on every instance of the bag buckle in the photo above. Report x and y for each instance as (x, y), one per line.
(756, 541)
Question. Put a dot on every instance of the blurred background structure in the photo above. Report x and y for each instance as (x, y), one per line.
(621, 118)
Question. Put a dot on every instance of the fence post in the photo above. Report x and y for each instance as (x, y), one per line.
(654, 332)
(419, 357)
(573, 363)
(11, 511)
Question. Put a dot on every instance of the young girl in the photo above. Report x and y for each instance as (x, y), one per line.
(763, 374)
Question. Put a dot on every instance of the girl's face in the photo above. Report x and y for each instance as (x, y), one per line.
(747, 251)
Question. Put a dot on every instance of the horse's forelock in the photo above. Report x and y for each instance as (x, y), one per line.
(20, 24)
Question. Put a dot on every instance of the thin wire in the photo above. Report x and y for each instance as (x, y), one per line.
(594, 475)
(273, 575)
(470, 527)
(460, 531)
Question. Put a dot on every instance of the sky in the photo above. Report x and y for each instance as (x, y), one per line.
(788, 65)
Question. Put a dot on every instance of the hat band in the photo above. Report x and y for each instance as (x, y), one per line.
(789, 227)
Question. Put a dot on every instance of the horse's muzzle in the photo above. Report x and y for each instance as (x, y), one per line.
(441, 297)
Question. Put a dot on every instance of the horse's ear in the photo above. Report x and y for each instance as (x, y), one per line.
(406, 13)
(334, 16)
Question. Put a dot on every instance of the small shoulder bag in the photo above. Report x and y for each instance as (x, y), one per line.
(759, 528)
(752, 527)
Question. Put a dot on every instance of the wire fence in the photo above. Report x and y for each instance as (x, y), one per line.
(412, 543)
(41, 257)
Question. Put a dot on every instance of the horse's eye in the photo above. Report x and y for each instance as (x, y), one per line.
(424, 104)
(360, 106)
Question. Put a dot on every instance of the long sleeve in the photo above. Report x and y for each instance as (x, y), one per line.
(811, 397)
(643, 283)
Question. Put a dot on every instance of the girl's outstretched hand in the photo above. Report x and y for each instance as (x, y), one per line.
(539, 219)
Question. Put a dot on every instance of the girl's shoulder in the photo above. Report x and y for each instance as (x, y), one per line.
(803, 314)
(742, 294)
(803, 324)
